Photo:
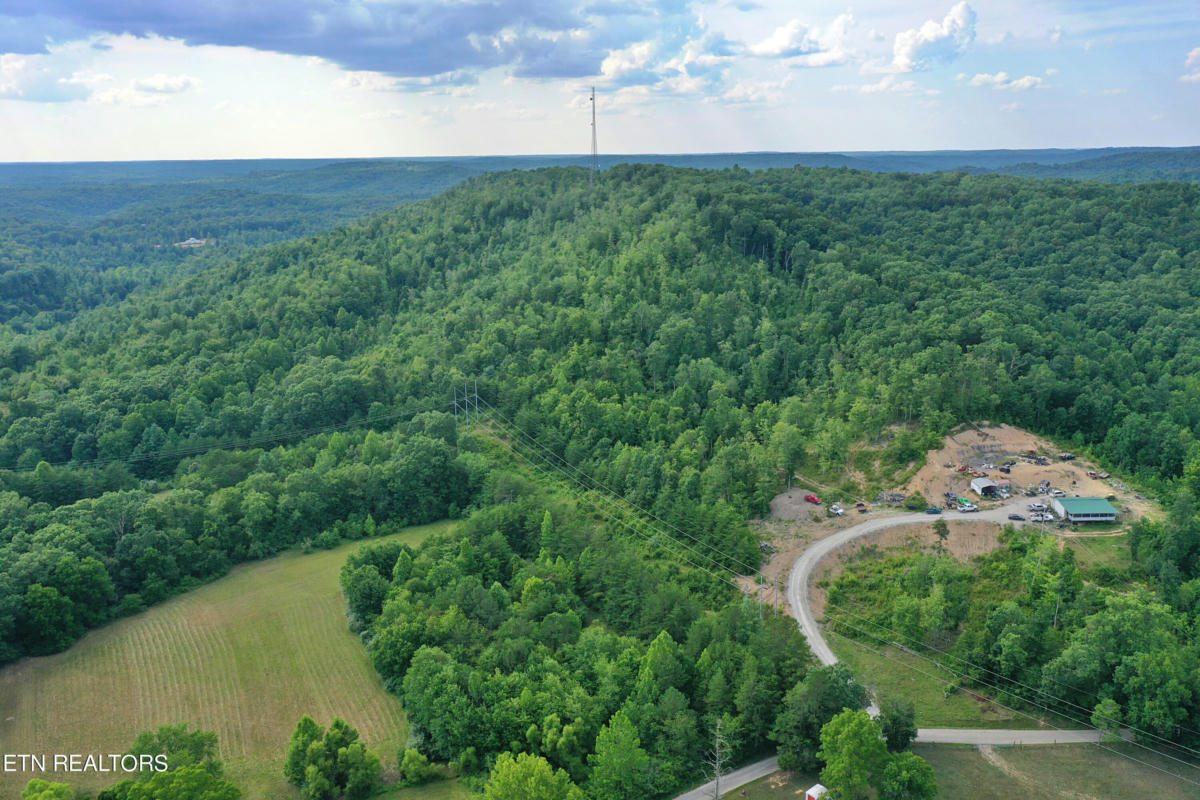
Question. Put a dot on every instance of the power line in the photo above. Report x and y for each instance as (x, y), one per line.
(973, 665)
(1014, 710)
(598, 486)
(253, 441)
(963, 675)
(616, 517)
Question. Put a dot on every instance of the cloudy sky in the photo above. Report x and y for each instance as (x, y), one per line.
(147, 79)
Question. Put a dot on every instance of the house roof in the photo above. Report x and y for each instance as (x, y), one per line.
(1086, 505)
(982, 483)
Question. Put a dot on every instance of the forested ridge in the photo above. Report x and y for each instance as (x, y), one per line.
(686, 337)
(75, 237)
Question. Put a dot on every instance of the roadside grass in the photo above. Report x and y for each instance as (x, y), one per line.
(1030, 772)
(1091, 771)
(245, 656)
(892, 672)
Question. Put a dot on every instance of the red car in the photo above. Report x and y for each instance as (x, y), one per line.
(812, 498)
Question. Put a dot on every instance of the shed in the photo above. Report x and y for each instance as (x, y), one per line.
(1084, 509)
(815, 792)
(984, 487)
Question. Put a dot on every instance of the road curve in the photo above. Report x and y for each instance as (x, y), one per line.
(797, 593)
(797, 589)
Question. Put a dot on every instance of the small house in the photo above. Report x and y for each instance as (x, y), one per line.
(1084, 509)
(984, 487)
(815, 793)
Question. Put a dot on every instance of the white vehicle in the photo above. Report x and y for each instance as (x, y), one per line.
(1057, 493)
(837, 510)
(1041, 518)
(968, 507)
(1037, 506)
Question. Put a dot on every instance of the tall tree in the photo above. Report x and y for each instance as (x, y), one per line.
(620, 767)
(528, 777)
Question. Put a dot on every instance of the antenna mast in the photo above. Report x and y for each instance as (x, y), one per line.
(595, 165)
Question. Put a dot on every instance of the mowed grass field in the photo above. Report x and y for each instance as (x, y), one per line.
(1032, 772)
(244, 656)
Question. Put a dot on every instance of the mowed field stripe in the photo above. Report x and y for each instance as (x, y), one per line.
(245, 656)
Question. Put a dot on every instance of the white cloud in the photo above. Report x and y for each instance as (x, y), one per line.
(633, 59)
(791, 39)
(753, 92)
(1192, 63)
(1011, 107)
(888, 83)
(1002, 80)
(807, 46)
(166, 84)
(935, 41)
(126, 96)
(453, 82)
(1052, 71)
(39, 79)
(1055, 34)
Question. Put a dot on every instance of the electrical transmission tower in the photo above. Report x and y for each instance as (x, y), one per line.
(594, 167)
(467, 401)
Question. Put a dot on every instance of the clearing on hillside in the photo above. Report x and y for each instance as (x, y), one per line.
(244, 656)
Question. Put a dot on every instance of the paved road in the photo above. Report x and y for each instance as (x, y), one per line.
(1000, 737)
(734, 780)
(797, 592)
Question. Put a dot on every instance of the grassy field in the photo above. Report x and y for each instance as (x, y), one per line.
(1035, 772)
(1100, 551)
(244, 656)
(895, 673)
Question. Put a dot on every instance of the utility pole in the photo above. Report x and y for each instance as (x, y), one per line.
(595, 165)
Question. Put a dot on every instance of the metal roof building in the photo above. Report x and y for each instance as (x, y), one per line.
(1084, 509)
(983, 487)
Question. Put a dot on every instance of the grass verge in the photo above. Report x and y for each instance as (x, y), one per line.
(892, 672)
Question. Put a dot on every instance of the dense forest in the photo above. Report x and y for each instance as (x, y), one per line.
(527, 633)
(79, 236)
(686, 337)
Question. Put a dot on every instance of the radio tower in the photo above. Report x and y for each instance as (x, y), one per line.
(595, 165)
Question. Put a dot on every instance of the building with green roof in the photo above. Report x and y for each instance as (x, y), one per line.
(1084, 509)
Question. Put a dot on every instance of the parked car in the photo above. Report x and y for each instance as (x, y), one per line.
(1017, 517)
(1037, 506)
(812, 498)
(933, 510)
(968, 507)
(1006, 470)
(1057, 493)
(837, 510)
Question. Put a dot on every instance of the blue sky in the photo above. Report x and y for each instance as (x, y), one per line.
(92, 80)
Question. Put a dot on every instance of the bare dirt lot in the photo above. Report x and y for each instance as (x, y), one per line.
(794, 523)
(1000, 443)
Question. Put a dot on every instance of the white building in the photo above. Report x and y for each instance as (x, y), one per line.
(1083, 509)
